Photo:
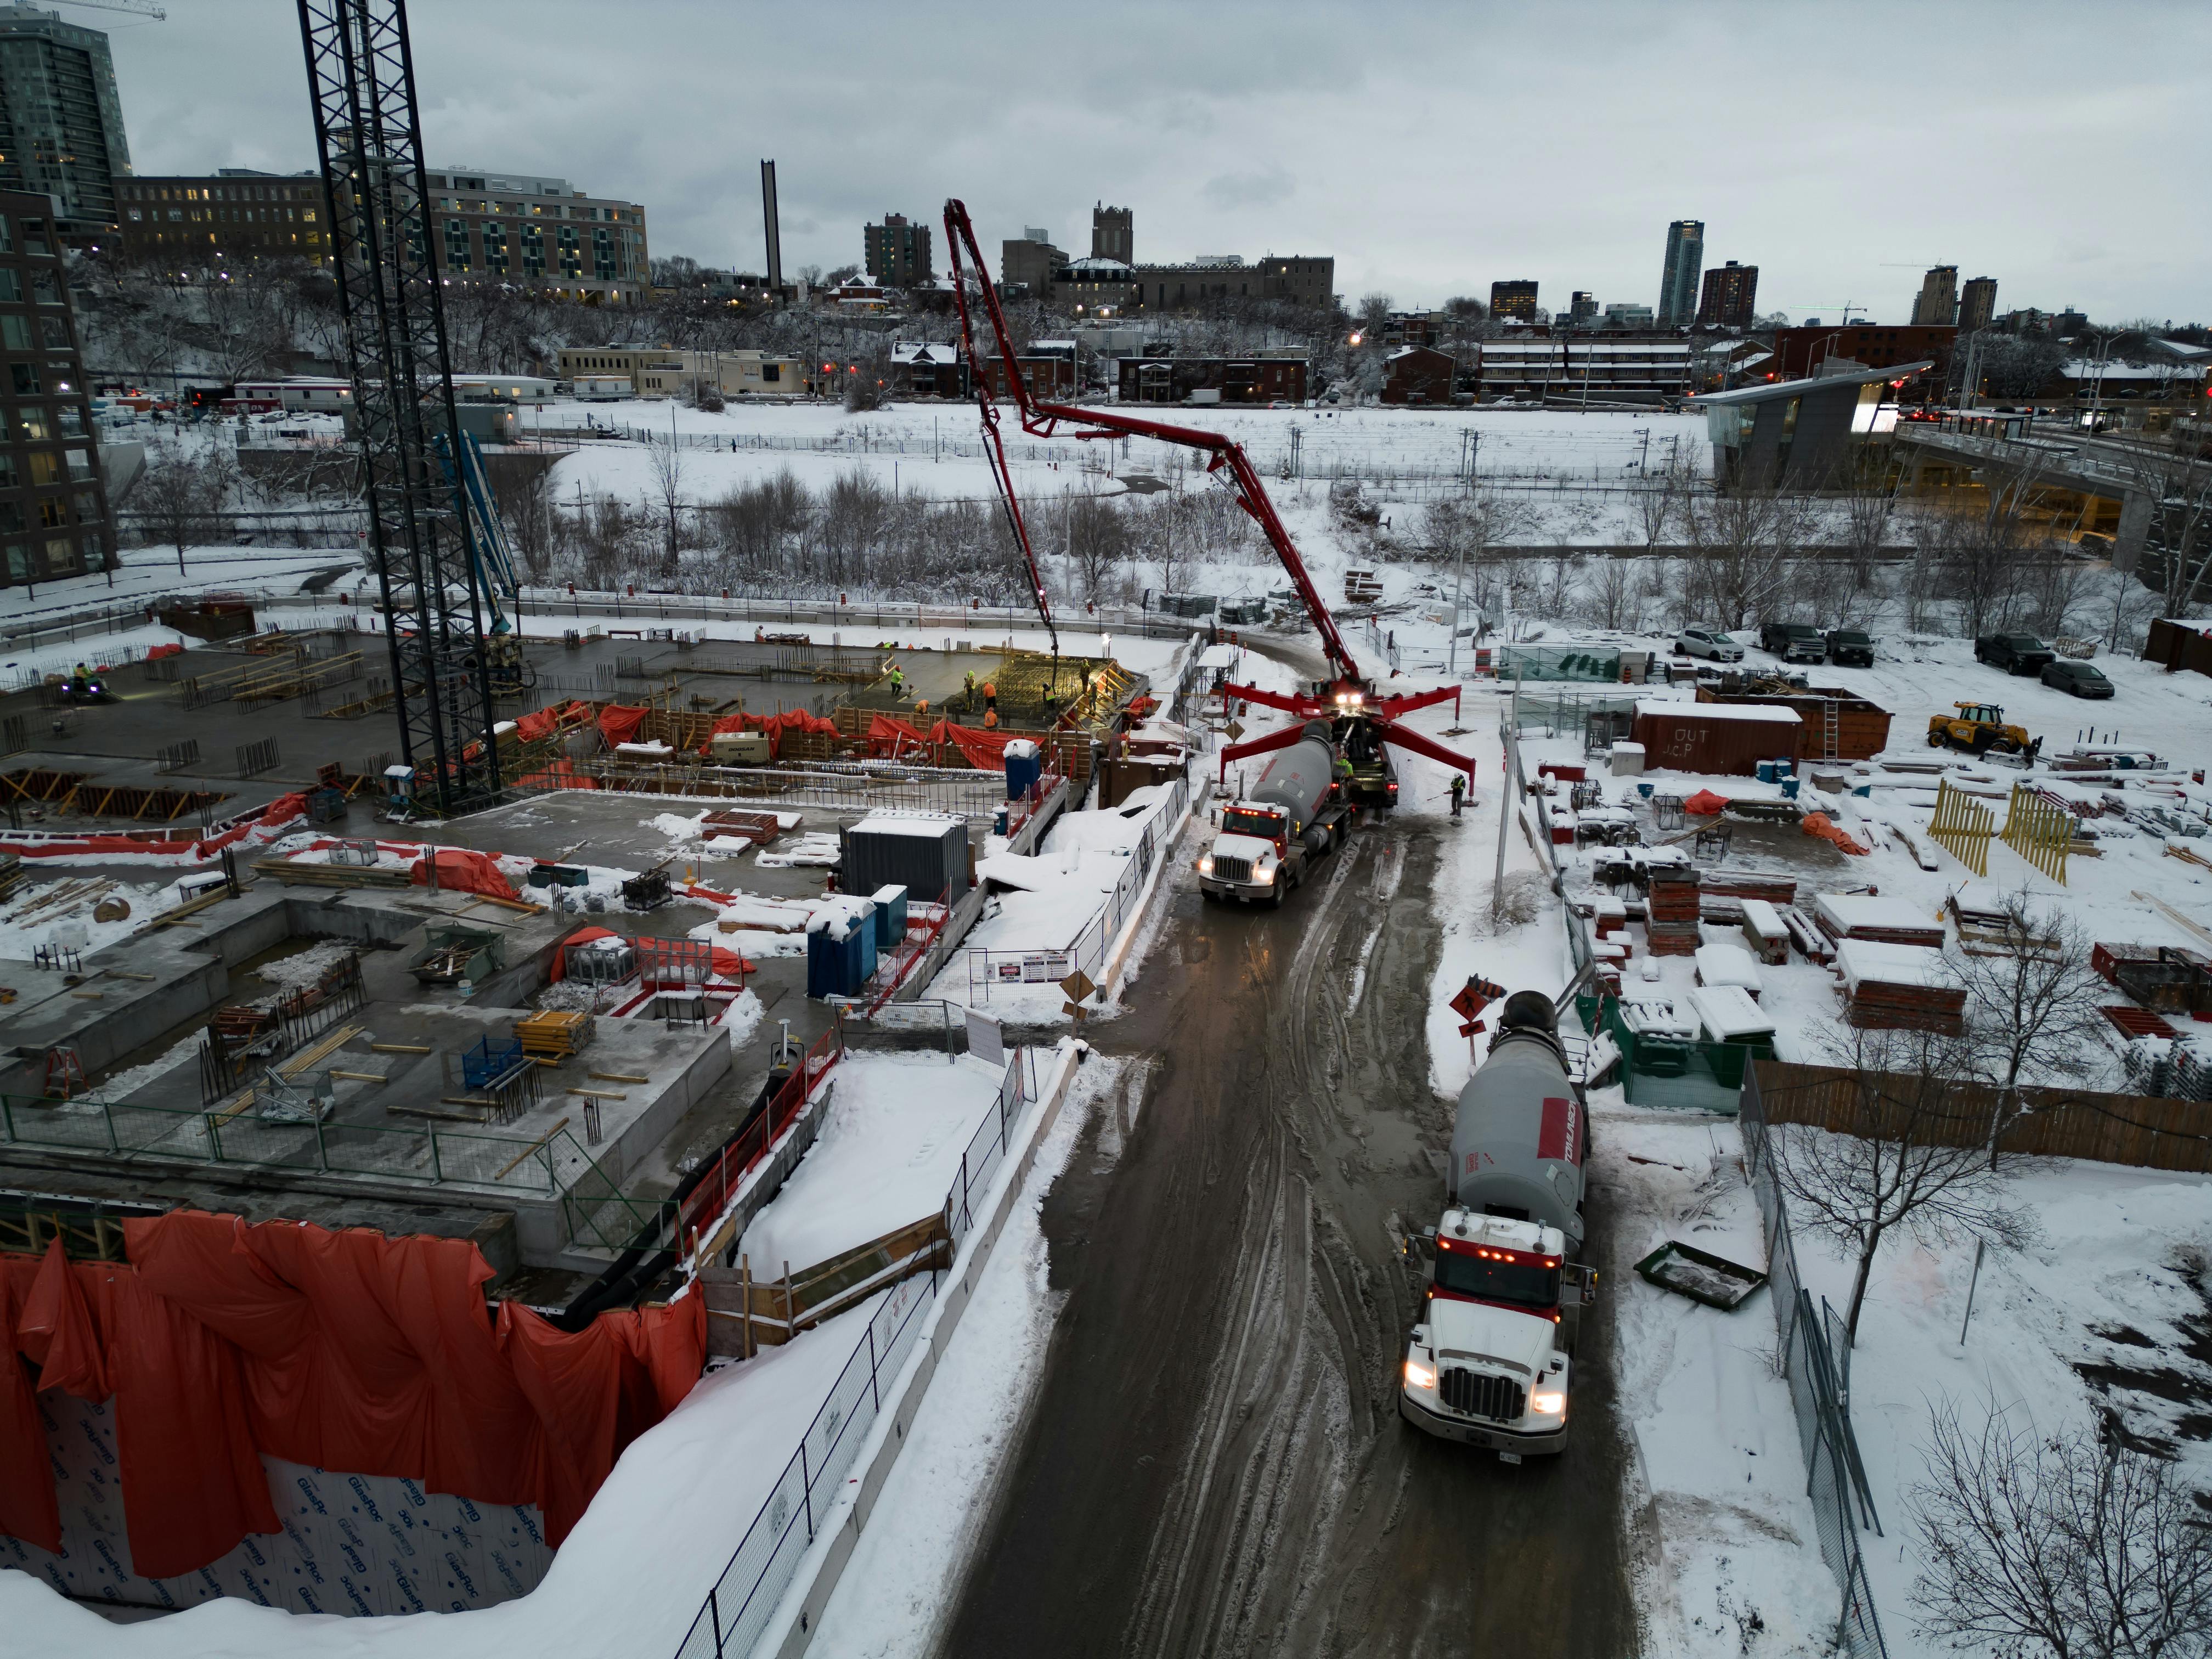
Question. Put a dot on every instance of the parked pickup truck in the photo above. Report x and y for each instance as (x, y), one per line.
(1793, 642)
(2016, 653)
(1851, 648)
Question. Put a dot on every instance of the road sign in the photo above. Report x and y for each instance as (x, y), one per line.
(1078, 986)
(1074, 1012)
(1233, 731)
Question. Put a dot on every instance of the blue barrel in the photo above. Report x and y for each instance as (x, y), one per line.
(1790, 789)
(1025, 766)
(1765, 770)
(1784, 767)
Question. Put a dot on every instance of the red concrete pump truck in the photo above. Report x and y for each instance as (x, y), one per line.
(1279, 831)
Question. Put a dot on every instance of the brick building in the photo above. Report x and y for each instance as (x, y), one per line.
(1232, 379)
(1730, 296)
(1417, 375)
(1799, 352)
(194, 220)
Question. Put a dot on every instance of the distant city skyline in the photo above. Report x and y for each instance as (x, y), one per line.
(1306, 148)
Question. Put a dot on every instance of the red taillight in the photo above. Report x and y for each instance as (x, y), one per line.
(1394, 788)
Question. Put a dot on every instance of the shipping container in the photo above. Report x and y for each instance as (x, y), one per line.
(1715, 739)
(925, 852)
(1839, 724)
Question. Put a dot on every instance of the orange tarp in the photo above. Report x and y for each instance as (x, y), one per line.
(618, 722)
(1819, 823)
(796, 719)
(1704, 802)
(462, 870)
(351, 1350)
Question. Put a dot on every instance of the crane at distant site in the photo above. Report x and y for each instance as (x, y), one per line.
(1347, 695)
(145, 8)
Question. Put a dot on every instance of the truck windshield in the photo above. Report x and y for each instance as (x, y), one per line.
(1265, 825)
(1522, 1284)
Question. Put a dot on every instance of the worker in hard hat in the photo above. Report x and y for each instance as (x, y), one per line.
(1458, 792)
(990, 720)
(967, 689)
(921, 708)
(990, 693)
(898, 681)
(1344, 773)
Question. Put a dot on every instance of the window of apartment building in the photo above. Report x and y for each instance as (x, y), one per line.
(533, 251)
(19, 561)
(80, 465)
(495, 248)
(32, 426)
(44, 466)
(571, 251)
(602, 255)
(47, 287)
(61, 555)
(53, 513)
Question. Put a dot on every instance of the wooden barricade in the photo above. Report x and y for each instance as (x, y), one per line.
(745, 1313)
(2040, 830)
(1963, 827)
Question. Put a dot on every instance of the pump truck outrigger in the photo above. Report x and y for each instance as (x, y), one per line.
(1362, 718)
(1490, 1362)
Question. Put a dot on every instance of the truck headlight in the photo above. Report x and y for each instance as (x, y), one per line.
(1420, 1376)
(1552, 1402)
(1206, 865)
(1267, 874)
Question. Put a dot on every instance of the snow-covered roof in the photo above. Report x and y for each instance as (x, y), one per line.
(1728, 1014)
(1670, 707)
(931, 825)
(1098, 270)
(1861, 961)
(1855, 912)
(918, 351)
(1728, 965)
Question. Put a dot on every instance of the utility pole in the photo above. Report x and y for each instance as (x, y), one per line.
(1459, 580)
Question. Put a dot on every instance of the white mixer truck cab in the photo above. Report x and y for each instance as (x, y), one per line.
(1292, 816)
(1485, 1366)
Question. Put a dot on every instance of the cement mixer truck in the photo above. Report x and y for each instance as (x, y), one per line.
(1272, 835)
(1490, 1362)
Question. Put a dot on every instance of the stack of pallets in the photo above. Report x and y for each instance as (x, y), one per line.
(1671, 911)
(554, 1035)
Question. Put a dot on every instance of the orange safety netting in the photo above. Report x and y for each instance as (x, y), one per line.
(1819, 823)
(618, 722)
(559, 970)
(1704, 802)
(556, 774)
(462, 870)
(349, 1351)
(796, 719)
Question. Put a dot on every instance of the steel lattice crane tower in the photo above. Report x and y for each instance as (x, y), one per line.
(361, 78)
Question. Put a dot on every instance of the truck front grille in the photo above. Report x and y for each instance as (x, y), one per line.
(1232, 869)
(1477, 1395)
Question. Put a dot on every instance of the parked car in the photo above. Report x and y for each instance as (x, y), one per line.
(1708, 642)
(1851, 648)
(2016, 653)
(2077, 678)
(1791, 642)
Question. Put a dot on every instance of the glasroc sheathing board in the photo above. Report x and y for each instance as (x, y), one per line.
(352, 1544)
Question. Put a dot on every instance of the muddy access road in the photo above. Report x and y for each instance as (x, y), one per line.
(1214, 1463)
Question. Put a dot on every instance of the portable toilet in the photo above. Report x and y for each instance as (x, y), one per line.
(864, 944)
(834, 942)
(1025, 766)
(891, 916)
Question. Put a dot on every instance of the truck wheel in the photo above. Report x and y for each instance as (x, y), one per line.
(1275, 898)
(1935, 739)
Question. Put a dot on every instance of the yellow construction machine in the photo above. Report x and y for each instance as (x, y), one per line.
(1978, 728)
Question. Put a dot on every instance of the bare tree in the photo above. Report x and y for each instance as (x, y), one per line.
(2060, 1546)
(1374, 312)
(179, 492)
(665, 461)
(1901, 1169)
(1097, 541)
(2032, 1000)
(1615, 599)
(1742, 545)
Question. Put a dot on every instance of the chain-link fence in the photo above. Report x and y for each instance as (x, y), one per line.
(1812, 1341)
(744, 1599)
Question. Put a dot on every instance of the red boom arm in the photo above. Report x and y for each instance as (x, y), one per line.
(1042, 420)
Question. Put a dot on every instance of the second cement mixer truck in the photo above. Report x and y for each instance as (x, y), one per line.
(1490, 1362)
(1274, 834)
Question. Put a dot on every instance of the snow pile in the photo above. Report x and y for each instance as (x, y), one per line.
(815, 847)
(889, 1150)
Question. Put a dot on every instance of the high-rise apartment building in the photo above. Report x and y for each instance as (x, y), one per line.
(1678, 283)
(1938, 304)
(1582, 307)
(897, 251)
(53, 505)
(1514, 301)
(1978, 303)
(1730, 295)
(1114, 233)
(61, 121)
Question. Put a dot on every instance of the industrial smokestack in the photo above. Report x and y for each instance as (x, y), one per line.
(774, 234)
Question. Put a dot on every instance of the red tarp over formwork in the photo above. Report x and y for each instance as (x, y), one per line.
(984, 750)
(462, 870)
(1704, 804)
(349, 1351)
(543, 723)
(261, 828)
(797, 720)
(618, 722)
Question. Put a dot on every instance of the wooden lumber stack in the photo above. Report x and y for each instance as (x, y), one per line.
(554, 1035)
(1743, 884)
(1899, 988)
(293, 873)
(1671, 911)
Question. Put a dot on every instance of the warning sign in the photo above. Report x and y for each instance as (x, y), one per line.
(1077, 985)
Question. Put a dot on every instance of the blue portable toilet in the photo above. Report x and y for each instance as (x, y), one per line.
(1025, 766)
(891, 916)
(840, 952)
(863, 923)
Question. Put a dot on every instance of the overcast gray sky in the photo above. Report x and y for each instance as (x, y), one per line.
(2061, 149)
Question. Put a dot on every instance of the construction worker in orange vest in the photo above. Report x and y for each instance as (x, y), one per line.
(990, 718)
(990, 695)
